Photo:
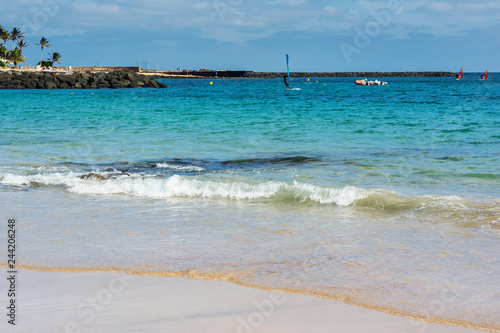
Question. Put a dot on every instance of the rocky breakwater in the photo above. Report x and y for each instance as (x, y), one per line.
(269, 75)
(75, 80)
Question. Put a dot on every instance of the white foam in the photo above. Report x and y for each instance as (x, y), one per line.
(189, 168)
(151, 186)
(340, 196)
(179, 186)
(56, 178)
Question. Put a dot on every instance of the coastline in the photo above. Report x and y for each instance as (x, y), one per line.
(19, 79)
(128, 77)
(244, 74)
(119, 302)
(125, 78)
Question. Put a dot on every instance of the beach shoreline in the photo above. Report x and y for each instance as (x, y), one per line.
(120, 302)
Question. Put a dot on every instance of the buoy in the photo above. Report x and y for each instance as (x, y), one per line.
(307, 79)
(211, 83)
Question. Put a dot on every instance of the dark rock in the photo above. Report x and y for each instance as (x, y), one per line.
(31, 83)
(115, 81)
(59, 80)
(50, 85)
(93, 176)
(99, 80)
(69, 79)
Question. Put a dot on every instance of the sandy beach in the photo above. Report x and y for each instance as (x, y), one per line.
(117, 302)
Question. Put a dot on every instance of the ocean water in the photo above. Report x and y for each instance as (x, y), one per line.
(386, 197)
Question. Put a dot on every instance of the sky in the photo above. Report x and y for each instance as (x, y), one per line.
(318, 35)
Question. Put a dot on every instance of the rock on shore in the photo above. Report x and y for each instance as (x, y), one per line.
(62, 80)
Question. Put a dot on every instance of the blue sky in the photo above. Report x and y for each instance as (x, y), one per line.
(319, 35)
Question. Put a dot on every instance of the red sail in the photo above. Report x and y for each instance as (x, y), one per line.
(460, 75)
(486, 75)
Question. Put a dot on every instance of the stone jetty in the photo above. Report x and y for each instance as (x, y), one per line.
(16, 79)
(206, 73)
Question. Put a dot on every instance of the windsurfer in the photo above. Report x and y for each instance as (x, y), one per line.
(285, 78)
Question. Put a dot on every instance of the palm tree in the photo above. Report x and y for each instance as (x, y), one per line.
(3, 52)
(16, 34)
(21, 43)
(3, 55)
(43, 43)
(1, 32)
(5, 36)
(54, 58)
(16, 56)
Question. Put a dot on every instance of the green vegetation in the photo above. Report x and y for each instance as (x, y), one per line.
(43, 43)
(15, 56)
(55, 58)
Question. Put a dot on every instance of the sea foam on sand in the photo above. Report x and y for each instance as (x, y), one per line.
(118, 302)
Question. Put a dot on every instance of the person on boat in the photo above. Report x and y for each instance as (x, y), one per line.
(285, 78)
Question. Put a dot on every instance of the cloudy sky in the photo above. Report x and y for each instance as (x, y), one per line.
(319, 35)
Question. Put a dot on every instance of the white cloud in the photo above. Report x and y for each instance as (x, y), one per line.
(88, 7)
(237, 21)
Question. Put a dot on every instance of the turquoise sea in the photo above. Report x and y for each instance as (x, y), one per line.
(386, 197)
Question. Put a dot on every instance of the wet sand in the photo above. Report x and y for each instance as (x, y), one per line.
(117, 302)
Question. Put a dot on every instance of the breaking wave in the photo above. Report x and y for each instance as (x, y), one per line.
(296, 193)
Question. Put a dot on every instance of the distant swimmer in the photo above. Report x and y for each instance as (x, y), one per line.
(285, 78)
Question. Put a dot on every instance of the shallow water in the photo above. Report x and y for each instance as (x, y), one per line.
(382, 196)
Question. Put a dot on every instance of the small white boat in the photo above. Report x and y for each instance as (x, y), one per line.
(365, 82)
